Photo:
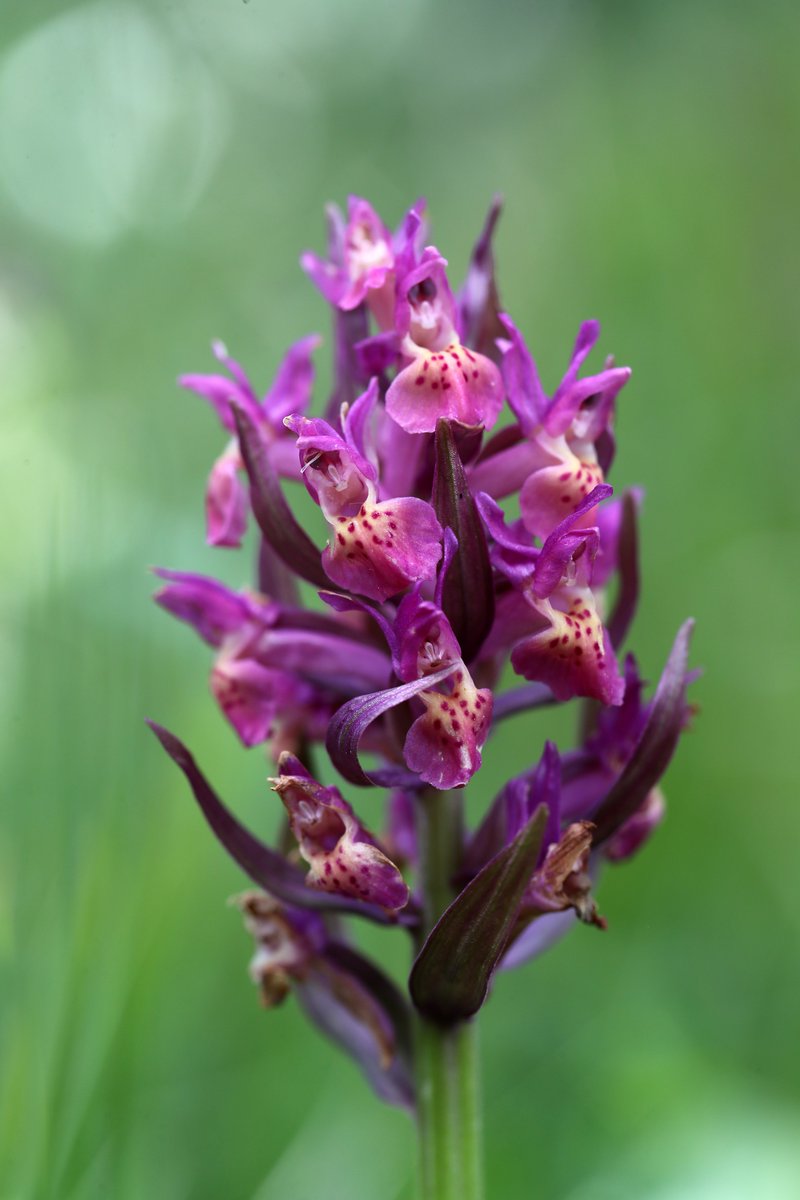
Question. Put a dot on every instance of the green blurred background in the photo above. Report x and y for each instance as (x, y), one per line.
(162, 163)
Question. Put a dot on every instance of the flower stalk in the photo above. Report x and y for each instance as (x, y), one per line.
(445, 1054)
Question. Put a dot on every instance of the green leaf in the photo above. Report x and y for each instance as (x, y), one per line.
(468, 593)
(451, 975)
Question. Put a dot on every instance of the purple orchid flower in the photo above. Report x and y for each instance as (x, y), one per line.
(226, 497)
(342, 856)
(363, 261)
(567, 647)
(444, 744)
(430, 592)
(442, 377)
(377, 547)
(556, 460)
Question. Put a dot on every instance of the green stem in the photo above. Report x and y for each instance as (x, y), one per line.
(445, 1056)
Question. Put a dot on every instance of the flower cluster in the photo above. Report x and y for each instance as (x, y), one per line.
(470, 528)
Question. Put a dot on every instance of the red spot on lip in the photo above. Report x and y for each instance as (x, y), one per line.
(419, 380)
(351, 528)
(375, 516)
(434, 385)
(341, 539)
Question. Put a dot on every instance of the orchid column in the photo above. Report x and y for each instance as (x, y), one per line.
(395, 661)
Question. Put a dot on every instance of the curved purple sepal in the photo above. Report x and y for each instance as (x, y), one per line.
(352, 719)
(265, 866)
(649, 761)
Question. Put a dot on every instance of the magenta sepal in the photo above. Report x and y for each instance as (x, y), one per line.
(264, 866)
(626, 560)
(451, 975)
(352, 719)
(212, 609)
(526, 396)
(477, 303)
(655, 747)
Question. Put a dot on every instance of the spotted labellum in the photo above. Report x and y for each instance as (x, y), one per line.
(475, 564)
